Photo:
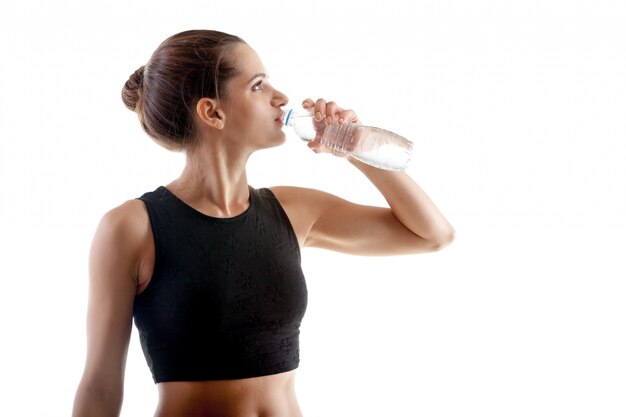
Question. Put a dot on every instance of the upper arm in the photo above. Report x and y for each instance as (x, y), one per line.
(114, 261)
(326, 221)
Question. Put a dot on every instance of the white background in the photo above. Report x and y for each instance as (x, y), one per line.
(517, 111)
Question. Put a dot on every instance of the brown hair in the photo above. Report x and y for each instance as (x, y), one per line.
(184, 68)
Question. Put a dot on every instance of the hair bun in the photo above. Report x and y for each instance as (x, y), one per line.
(131, 93)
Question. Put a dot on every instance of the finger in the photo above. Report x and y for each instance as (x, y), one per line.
(348, 115)
(320, 109)
(308, 103)
(332, 112)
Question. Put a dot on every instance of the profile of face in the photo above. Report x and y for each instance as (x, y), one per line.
(203, 82)
(251, 106)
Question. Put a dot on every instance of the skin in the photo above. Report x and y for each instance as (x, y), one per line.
(214, 182)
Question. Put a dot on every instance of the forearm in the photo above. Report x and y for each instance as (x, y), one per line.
(409, 204)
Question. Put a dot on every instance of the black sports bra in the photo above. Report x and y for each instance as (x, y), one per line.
(227, 295)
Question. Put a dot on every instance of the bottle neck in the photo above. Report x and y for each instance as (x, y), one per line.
(290, 115)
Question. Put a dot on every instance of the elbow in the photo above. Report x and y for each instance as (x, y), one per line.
(442, 241)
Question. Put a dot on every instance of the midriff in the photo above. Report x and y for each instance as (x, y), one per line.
(265, 396)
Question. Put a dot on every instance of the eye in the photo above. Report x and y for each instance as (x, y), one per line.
(258, 86)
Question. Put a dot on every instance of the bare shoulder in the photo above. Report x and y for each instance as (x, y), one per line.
(308, 201)
(300, 195)
(124, 238)
(300, 203)
(126, 214)
(304, 206)
(128, 221)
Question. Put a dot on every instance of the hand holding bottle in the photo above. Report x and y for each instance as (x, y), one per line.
(326, 114)
(329, 128)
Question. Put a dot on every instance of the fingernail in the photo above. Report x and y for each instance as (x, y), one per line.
(318, 116)
(329, 119)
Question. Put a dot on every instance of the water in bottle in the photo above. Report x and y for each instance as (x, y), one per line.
(371, 145)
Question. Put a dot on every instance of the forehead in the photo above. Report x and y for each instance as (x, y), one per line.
(247, 62)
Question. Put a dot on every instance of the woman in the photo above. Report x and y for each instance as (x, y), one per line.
(209, 267)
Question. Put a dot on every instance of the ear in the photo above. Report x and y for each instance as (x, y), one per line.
(209, 113)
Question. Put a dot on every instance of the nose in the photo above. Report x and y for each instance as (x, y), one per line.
(279, 99)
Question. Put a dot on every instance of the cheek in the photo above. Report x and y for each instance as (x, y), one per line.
(243, 118)
(238, 122)
(247, 127)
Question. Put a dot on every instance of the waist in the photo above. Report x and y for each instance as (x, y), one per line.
(250, 397)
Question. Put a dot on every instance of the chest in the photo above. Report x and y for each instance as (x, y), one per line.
(226, 276)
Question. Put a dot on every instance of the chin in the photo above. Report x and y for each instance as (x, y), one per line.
(272, 142)
(279, 140)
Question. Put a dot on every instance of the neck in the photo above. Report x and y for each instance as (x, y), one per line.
(214, 181)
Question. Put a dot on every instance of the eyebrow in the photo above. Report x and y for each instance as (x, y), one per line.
(259, 75)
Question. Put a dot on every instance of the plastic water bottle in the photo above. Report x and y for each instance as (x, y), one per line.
(372, 145)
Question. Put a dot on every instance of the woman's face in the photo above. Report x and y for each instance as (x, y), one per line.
(251, 105)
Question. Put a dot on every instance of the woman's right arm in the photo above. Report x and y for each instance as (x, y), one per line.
(114, 263)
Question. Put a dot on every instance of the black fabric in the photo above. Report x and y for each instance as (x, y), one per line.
(227, 295)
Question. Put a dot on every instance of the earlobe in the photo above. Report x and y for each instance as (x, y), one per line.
(209, 113)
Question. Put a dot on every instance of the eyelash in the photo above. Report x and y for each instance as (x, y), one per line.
(258, 86)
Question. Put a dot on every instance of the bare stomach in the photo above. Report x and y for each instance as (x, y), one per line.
(265, 396)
